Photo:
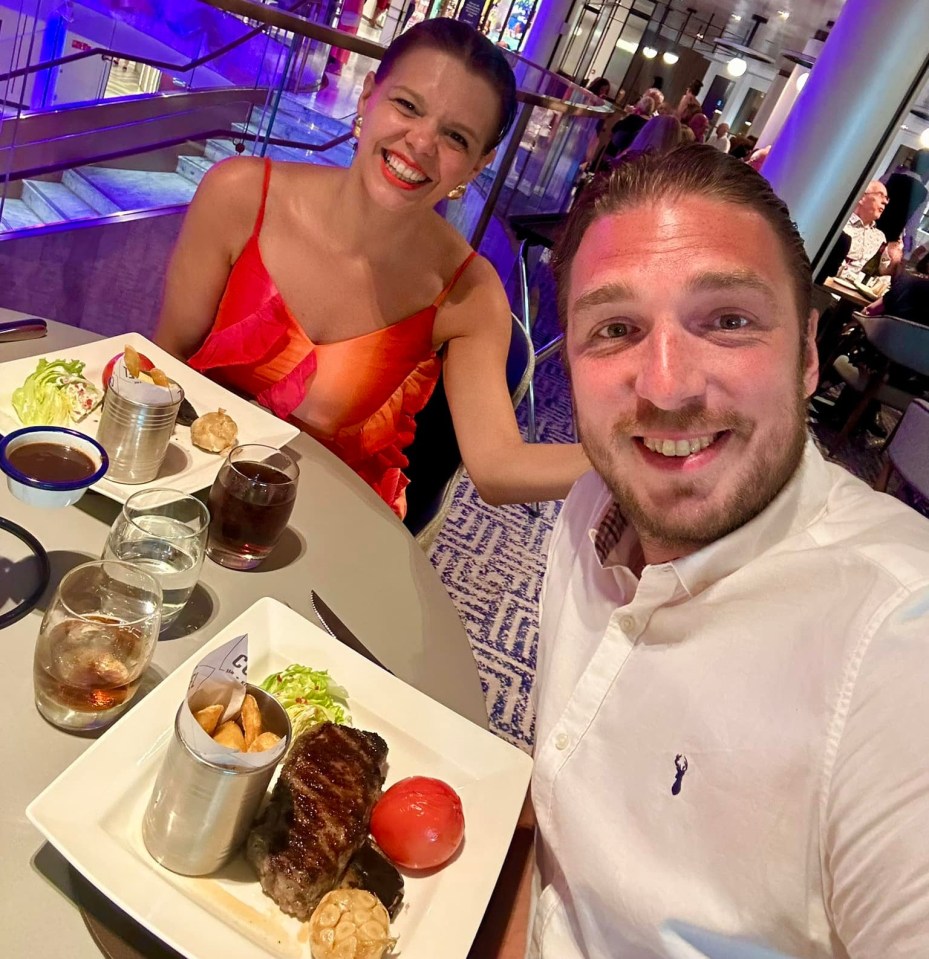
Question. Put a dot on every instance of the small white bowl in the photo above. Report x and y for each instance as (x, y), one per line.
(50, 493)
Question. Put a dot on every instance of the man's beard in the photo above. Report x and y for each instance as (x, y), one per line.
(774, 464)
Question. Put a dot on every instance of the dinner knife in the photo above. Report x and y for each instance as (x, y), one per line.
(28, 329)
(335, 627)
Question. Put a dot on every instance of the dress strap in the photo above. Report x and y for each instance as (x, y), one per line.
(440, 299)
(264, 196)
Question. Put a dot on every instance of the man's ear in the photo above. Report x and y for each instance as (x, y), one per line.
(811, 356)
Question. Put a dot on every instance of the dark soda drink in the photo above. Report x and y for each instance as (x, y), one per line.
(250, 504)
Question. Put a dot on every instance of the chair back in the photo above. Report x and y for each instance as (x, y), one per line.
(909, 447)
(434, 457)
(901, 341)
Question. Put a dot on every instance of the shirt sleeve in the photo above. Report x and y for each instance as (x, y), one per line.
(876, 805)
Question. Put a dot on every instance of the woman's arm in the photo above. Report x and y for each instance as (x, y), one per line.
(502, 466)
(216, 227)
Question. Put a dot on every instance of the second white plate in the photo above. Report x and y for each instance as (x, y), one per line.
(186, 468)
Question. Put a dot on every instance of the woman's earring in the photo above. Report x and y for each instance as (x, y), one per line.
(458, 192)
(356, 125)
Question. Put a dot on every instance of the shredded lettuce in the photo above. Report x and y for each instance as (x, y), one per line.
(53, 394)
(309, 696)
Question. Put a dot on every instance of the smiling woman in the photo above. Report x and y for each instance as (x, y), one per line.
(335, 297)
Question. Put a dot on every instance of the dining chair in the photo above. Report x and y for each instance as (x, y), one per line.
(896, 342)
(434, 458)
(907, 451)
(543, 230)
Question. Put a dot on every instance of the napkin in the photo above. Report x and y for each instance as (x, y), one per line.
(141, 391)
(681, 940)
(220, 678)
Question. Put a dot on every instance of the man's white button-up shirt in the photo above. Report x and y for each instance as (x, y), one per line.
(740, 738)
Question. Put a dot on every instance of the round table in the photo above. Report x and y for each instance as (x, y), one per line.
(343, 542)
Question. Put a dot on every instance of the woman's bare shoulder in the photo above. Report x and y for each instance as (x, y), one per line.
(230, 191)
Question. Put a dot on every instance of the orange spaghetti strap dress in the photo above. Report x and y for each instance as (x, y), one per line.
(358, 396)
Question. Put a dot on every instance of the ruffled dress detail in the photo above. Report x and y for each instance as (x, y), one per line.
(362, 394)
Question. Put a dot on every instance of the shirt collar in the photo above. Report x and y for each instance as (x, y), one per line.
(858, 223)
(797, 505)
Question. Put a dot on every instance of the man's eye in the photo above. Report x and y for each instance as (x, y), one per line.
(732, 321)
(613, 331)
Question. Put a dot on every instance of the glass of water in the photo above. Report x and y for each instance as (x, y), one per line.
(164, 532)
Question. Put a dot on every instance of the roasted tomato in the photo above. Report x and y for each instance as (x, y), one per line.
(144, 364)
(418, 822)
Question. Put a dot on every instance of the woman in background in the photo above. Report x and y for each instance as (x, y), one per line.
(335, 297)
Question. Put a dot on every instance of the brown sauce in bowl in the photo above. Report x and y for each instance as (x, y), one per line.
(52, 462)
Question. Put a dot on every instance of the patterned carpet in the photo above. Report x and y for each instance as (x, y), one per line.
(492, 559)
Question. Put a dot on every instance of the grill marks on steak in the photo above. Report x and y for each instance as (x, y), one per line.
(318, 815)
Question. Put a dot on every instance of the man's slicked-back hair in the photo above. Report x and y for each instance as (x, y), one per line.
(472, 49)
(692, 170)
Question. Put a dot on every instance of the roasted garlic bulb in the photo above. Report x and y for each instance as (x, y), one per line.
(214, 432)
(350, 924)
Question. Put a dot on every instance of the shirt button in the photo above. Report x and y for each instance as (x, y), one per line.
(561, 741)
(627, 624)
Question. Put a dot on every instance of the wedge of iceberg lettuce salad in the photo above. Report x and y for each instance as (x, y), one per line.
(56, 394)
(310, 696)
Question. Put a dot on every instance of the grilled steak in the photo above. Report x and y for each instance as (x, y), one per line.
(318, 815)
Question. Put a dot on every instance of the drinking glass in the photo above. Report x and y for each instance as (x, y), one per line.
(95, 642)
(164, 532)
(250, 502)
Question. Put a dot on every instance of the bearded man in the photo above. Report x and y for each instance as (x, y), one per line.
(734, 648)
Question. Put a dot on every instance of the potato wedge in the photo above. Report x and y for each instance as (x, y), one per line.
(250, 718)
(133, 363)
(263, 742)
(208, 717)
(159, 377)
(230, 735)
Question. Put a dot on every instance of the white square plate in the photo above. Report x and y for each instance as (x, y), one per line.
(92, 812)
(185, 468)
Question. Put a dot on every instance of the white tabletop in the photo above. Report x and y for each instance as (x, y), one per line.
(343, 541)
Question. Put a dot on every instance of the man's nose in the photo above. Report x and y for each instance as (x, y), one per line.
(671, 373)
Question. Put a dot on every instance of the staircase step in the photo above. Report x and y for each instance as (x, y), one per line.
(17, 216)
(54, 202)
(219, 149)
(86, 191)
(193, 167)
(136, 189)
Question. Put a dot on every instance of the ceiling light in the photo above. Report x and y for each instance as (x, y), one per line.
(783, 14)
(670, 58)
(924, 139)
(649, 53)
(736, 67)
(736, 17)
(801, 81)
(630, 46)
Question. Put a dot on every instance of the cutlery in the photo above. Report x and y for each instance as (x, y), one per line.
(335, 627)
(29, 329)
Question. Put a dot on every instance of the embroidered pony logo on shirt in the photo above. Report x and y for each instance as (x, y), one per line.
(680, 765)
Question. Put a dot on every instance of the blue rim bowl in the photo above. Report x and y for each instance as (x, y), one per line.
(42, 492)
